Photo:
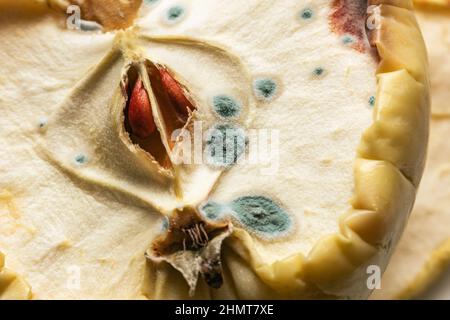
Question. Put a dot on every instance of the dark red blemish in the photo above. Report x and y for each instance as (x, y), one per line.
(349, 17)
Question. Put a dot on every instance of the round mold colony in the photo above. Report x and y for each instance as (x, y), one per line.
(225, 144)
(226, 107)
(265, 89)
(318, 72)
(372, 101)
(348, 39)
(80, 159)
(262, 216)
(306, 14)
(174, 14)
(213, 211)
(42, 124)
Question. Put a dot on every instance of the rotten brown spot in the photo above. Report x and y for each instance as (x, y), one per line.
(192, 246)
(212, 273)
(348, 17)
(187, 231)
(110, 14)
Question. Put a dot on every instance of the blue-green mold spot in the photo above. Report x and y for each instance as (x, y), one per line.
(226, 106)
(372, 101)
(175, 13)
(80, 159)
(42, 123)
(261, 215)
(165, 224)
(348, 39)
(212, 210)
(224, 145)
(265, 88)
(151, 2)
(318, 72)
(306, 14)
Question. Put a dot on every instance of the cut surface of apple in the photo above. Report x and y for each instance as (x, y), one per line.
(208, 149)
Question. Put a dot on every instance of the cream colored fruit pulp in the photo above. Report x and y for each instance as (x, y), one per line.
(320, 119)
(52, 229)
